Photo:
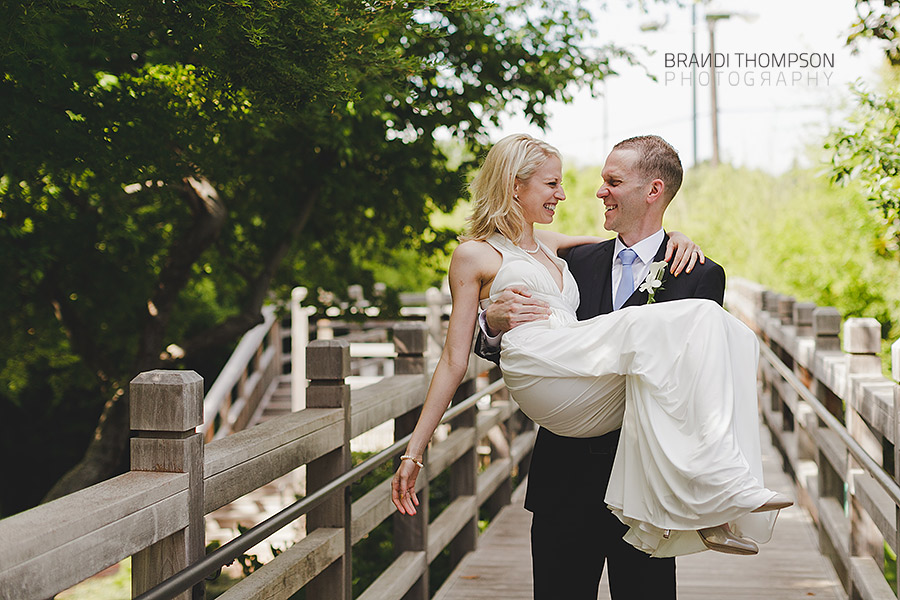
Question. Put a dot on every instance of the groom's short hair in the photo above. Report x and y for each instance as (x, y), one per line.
(658, 160)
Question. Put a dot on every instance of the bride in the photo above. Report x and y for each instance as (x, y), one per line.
(678, 377)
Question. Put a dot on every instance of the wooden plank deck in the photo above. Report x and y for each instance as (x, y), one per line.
(788, 567)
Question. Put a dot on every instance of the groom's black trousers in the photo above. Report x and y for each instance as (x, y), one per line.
(573, 537)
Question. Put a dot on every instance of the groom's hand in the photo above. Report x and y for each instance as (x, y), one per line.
(513, 307)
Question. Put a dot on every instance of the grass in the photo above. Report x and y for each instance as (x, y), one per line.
(890, 567)
(113, 586)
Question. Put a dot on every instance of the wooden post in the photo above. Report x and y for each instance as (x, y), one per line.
(862, 342)
(826, 327)
(895, 362)
(803, 318)
(411, 532)
(786, 309)
(327, 365)
(464, 475)
(826, 330)
(299, 340)
(895, 373)
(166, 407)
(769, 312)
(756, 301)
(803, 322)
(410, 343)
(434, 303)
(324, 330)
(786, 318)
(770, 301)
(503, 495)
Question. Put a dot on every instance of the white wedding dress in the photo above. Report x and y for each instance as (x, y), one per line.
(679, 377)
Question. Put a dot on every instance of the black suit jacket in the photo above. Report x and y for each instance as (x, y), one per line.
(564, 467)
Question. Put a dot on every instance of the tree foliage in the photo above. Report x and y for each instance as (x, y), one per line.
(796, 234)
(866, 151)
(866, 155)
(878, 19)
(167, 166)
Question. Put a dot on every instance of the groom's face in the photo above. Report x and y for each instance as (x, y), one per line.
(624, 192)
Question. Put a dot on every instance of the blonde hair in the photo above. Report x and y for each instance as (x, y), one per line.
(515, 157)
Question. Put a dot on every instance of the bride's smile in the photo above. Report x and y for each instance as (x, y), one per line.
(540, 193)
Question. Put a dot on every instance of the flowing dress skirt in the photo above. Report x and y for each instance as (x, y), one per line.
(680, 379)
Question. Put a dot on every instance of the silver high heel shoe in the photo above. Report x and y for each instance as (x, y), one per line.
(722, 539)
(776, 502)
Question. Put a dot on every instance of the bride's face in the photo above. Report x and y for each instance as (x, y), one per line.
(540, 194)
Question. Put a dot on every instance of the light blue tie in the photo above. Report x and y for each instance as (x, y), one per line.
(626, 284)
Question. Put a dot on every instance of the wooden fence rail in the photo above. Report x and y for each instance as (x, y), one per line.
(245, 378)
(834, 417)
(260, 359)
(155, 512)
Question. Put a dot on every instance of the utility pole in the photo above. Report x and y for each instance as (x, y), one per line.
(711, 21)
(694, 77)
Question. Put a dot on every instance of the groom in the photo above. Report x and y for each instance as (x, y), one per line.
(573, 533)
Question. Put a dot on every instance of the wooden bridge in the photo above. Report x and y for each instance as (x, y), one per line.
(829, 416)
(788, 567)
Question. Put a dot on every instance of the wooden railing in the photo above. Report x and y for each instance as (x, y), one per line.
(155, 512)
(259, 360)
(834, 416)
(253, 366)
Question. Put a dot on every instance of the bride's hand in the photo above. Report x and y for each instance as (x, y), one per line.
(686, 253)
(403, 487)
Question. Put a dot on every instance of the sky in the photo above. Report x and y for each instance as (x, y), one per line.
(768, 115)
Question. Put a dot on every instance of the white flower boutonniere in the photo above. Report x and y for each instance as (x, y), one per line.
(653, 282)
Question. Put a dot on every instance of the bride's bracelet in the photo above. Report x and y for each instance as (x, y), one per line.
(415, 460)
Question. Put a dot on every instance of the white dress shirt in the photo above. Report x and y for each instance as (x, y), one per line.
(646, 252)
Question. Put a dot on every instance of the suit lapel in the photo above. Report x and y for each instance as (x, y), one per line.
(591, 266)
(638, 297)
(604, 284)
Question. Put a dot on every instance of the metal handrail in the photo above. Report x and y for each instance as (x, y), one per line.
(862, 457)
(227, 553)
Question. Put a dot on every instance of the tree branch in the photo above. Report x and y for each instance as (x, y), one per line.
(231, 328)
(209, 217)
(81, 338)
(107, 453)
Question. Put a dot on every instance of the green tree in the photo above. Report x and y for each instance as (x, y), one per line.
(878, 19)
(866, 155)
(794, 233)
(166, 166)
(865, 151)
(117, 118)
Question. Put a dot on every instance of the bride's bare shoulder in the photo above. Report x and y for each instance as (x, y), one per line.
(476, 255)
(474, 250)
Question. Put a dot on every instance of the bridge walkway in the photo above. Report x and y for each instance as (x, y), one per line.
(789, 567)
